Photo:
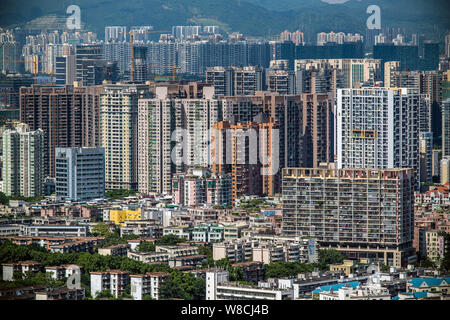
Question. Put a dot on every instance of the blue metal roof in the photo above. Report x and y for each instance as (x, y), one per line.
(336, 287)
(430, 282)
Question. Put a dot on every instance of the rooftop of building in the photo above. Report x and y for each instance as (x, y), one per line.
(109, 272)
(116, 246)
(151, 274)
(429, 282)
(23, 263)
(335, 287)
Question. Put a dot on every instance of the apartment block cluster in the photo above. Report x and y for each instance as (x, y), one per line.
(266, 151)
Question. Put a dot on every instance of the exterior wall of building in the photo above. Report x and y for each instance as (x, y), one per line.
(23, 162)
(378, 128)
(80, 173)
(119, 120)
(336, 195)
(69, 117)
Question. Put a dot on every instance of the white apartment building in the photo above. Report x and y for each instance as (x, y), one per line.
(219, 288)
(377, 128)
(164, 253)
(20, 267)
(113, 280)
(55, 231)
(236, 250)
(147, 284)
(119, 119)
(23, 161)
(267, 249)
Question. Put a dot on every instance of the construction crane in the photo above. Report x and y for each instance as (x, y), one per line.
(132, 32)
(35, 65)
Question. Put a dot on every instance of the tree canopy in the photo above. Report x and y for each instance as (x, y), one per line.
(169, 240)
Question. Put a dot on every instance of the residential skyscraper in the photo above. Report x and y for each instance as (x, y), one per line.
(317, 129)
(69, 117)
(23, 161)
(156, 122)
(446, 128)
(378, 128)
(119, 133)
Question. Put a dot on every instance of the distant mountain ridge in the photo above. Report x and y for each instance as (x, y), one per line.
(251, 17)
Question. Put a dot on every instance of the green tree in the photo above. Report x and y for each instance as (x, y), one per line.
(146, 246)
(330, 256)
(171, 289)
(119, 194)
(147, 297)
(169, 240)
(4, 199)
(426, 263)
(101, 229)
(205, 250)
(287, 269)
(104, 294)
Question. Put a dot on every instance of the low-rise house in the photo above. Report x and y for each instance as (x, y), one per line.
(347, 267)
(335, 287)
